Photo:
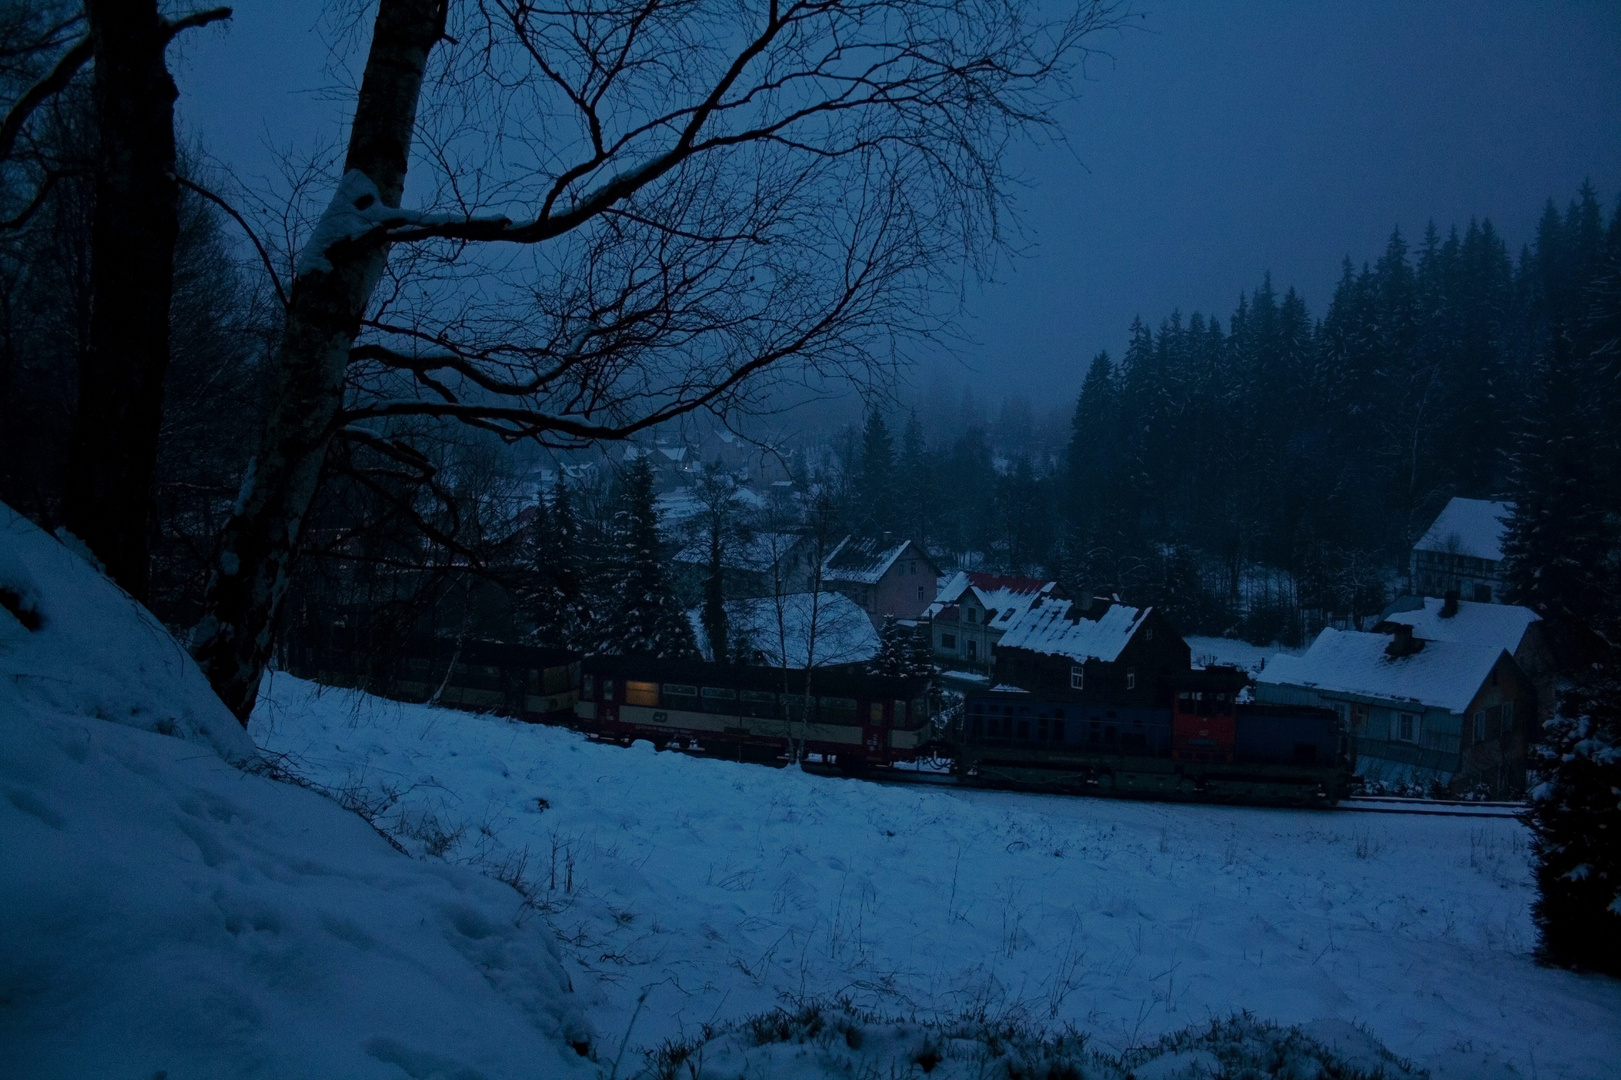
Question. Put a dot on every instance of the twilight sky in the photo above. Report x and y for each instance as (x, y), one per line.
(1217, 142)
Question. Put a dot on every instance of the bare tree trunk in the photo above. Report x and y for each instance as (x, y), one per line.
(108, 498)
(330, 291)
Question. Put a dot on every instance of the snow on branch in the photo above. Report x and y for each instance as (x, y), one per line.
(357, 211)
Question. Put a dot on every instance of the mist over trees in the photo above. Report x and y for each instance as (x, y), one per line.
(1266, 475)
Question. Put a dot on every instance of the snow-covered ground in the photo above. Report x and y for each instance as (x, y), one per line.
(690, 891)
(164, 912)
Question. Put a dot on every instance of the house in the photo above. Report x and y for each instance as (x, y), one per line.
(1110, 653)
(882, 575)
(971, 612)
(795, 630)
(1418, 711)
(1517, 630)
(762, 564)
(1462, 551)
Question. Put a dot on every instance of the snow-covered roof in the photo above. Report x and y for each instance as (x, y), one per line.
(1057, 628)
(1499, 625)
(843, 632)
(862, 560)
(674, 453)
(1471, 527)
(1007, 596)
(1443, 674)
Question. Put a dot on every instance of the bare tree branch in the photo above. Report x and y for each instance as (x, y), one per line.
(54, 82)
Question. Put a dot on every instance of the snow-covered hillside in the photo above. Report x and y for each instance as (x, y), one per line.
(166, 913)
(689, 892)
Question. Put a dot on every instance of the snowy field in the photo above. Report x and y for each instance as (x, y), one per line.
(689, 891)
(168, 914)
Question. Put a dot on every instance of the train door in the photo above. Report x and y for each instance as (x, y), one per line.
(874, 733)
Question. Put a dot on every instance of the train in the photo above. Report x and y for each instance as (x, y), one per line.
(1201, 742)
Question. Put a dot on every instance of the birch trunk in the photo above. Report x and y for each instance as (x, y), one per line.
(114, 447)
(331, 289)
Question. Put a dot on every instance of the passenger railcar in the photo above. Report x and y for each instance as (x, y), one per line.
(756, 713)
(1204, 747)
(521, 681)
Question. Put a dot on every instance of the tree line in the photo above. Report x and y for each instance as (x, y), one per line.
(1268, 475)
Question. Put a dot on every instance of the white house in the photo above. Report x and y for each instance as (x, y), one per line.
(1462, 551)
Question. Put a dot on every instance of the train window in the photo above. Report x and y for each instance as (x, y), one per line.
(589, 684)
(607, 689)
(719, 700)
(900, 713)
(759, 697)
(875, 712)
(920, 708)
(759, 703)
(720, 692)
(839, 705)
(797, 706)
(680, 696)
(641, 693)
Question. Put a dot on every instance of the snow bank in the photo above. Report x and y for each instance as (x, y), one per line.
(93, 651)
(689, 891)
(170, 914)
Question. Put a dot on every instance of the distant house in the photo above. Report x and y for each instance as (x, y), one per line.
(1418, 711)
(1462, 552)
(971, 612)
(1517, 630)
(794, 630)
(764, 564)
(1110, 652)
(883, 576)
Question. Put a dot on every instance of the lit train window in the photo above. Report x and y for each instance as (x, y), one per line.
(641, 693)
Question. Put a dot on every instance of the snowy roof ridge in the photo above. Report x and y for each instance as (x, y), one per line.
(1058, 628)
(1472, 527)
(1502, 625)
(1443, 674)
(861, 560)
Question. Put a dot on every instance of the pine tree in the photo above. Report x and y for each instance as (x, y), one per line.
(917, 497)
(1560, 540)
(644, 616)
(1576, 821)
(716, 626)
(554, 599)
(875, 482)
(898, 653)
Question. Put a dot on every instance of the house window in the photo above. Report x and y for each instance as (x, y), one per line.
(948, 641)
(969, 614)
(1508, 718)
(1131, 678)
(1077, 678)
(920, 592)
(1407, 727)
(1480, 725)
(1148, 635)
(973, 650)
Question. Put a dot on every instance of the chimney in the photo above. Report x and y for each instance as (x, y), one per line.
(1403, 644)
(1449, 606)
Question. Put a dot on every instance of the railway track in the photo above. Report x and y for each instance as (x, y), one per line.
(1364, 804)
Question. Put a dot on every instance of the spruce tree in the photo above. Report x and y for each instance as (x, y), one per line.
(554, 601)
(1576, 822)
(644, 616)
(716, 626)
(896, 656)
(875, 484)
